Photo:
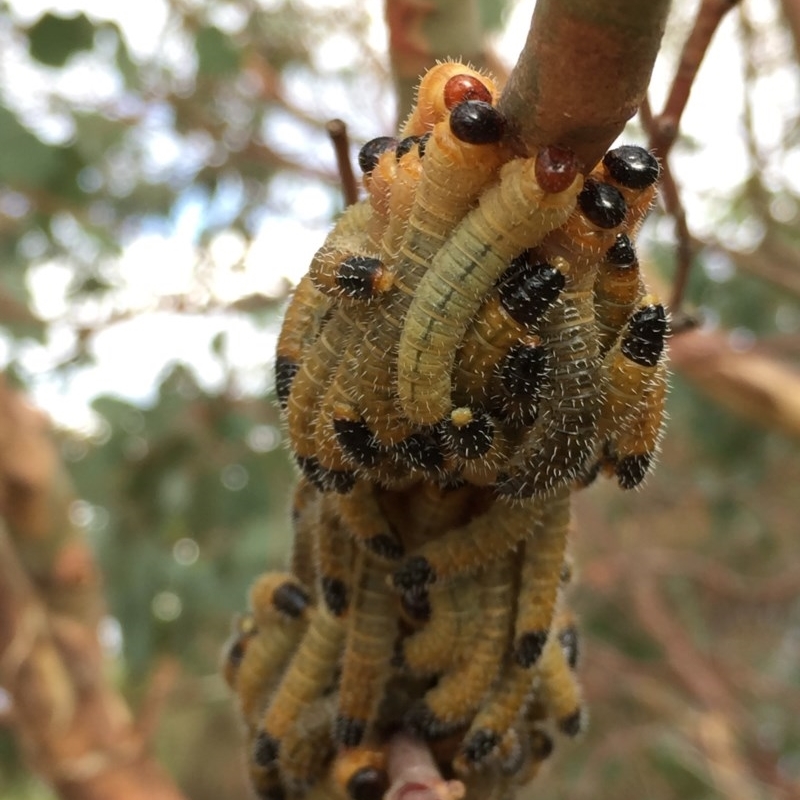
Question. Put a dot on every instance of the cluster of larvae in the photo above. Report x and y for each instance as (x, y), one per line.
(472, 343)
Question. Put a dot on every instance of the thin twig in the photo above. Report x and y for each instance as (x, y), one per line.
(337, 130)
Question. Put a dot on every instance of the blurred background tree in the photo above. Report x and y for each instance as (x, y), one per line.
(166, 174)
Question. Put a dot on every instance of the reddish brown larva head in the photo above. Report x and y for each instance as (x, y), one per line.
(465, 87)
(556, 168)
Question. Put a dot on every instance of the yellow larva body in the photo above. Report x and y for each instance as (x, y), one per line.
(511, 216)
(308, 676)
(461, 689)
(401, 201)
(617, 289)
(305, 520)
(541, 578)
(307, 747)
(233, 651)
(453, 175)
(371, 634)
(364, 519)
(334, 555)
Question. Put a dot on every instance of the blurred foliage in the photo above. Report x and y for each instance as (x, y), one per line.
(106, 140)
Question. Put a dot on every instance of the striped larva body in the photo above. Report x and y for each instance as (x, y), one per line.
(541, 579)
(371, 634)
(306, 509)
(309, 675)
(465, 549)
(459, 691)
(453, 175)
(401, 200)
(511, 216)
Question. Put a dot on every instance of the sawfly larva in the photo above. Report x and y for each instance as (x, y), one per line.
(511, 216)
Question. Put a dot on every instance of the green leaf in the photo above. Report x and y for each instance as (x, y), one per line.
(53, 39)
(26, 159)
(216, 54)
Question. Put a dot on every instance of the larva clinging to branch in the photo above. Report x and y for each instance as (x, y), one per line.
(533, 196)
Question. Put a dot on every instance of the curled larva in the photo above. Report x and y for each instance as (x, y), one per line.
(511, 217)
(442, 87)
(371, 635)
(467, 548)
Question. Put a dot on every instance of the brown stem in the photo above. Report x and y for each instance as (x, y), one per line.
(583, 72)
(337, 130)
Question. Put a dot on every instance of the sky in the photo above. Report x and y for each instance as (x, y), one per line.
(711, 168)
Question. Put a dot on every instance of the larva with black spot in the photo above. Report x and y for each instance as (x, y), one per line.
(363, 517)
(635, 388)
(346, 271)
(524, 293)
(309, 675)
(233, 651)
(444, 86)
(454, 174)
(635, 172)
(371, 635)
(497, 714)
(459, 691)
(558, 689)
(617, 290)
(465, 549)
(519, 381)
(335, 558)
(360, 773)
(541, 578)
(448, 635)
(280, 609)
(533, 196)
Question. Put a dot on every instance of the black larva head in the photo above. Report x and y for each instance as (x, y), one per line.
(290, 599)
(334, 593)
(285, 370)
(357, 441)
(405, 146)
(479, 745)
(370, 153)
(477, 122)
(523, 369)
(603, 204)
(643, 342)
(528, 290)
(469, 440)
(356, 277)
(632, 166)
(423, 143)
(368, 783)
(621, 253)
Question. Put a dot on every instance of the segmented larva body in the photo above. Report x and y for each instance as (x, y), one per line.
(558, 689)
(305, 520)
(511, 216)
(442, 86)
(465, 549)
(448, 635)
(309, 675)
(401, 200)
(617, 289)
(242, 632)
(459, 691)
(454, 173)
(378, 183)
(541, 578)
(371, 635)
